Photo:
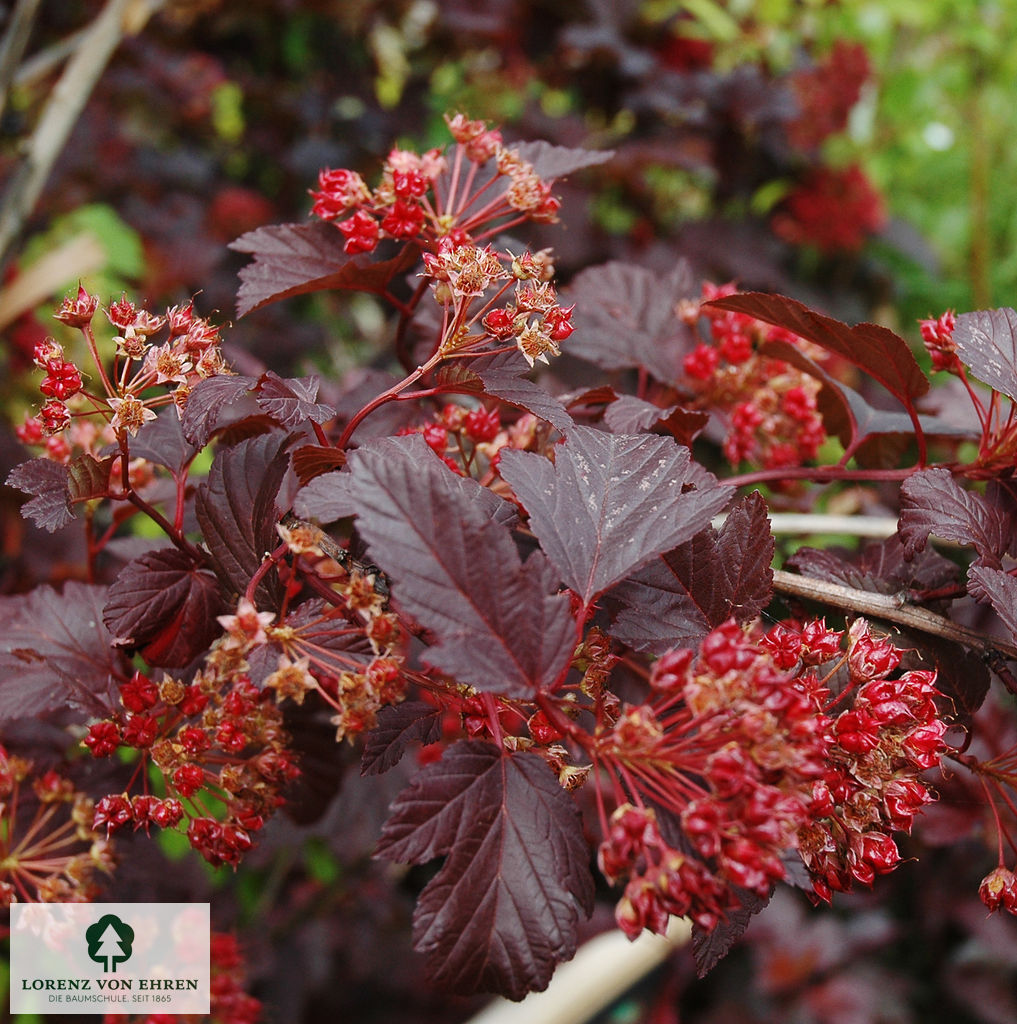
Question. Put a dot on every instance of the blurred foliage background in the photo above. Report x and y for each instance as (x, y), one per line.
(853, 154)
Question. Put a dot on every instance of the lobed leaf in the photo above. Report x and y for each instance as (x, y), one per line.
(162, 440)
(610, 503)
(165, 605)
(932, 502)
(986, 342)
(237, 514)
(631, 415)
(503, 909)
(294, 259)
(50, 507)
(500, 623)
(716, 575)
(625, 318)
(55, 652)
(208, 402)
(291, 402)
(551, 162)
(999, 589)
(57, 488)
(399, 725)
(883, 355)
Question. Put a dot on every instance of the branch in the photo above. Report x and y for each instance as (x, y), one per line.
(13, 44)
(63, 108)
(888, 607)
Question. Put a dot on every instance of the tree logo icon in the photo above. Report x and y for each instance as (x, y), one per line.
(109, 942)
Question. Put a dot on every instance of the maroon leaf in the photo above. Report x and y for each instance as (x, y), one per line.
(504, 907)
(398, 726)
(314, 460)
(294, 259)
(165, 606)
(609, 503)
(236, 510)
(326, 498)
(500, 624)
(631, 415)
(88, 478)
(291, 402)
(987, 342)
(55, 651)
(883, 355)
(162, 441)
(551, 162)
(881, 568)
(501, 376)
(625, 317)
(932, 502)
(677, 599)
(999, 589)
(710, 947)
(58, 488)
(206, 405)
(50, 508)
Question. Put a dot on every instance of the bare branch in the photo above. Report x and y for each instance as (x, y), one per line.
(63, 108)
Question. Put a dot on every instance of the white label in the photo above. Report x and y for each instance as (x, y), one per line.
(129, 958)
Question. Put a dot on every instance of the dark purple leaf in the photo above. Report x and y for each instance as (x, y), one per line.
(625, 317)
(291, 402)
(999, 589)
(55, 652)
(504, 908)
(58, 488)
(987, 342)
(500, 623)
(206, 404)
(501, 376)
(165, 606)
(237, 513)
(631, 415)
(883, 355)
(881, 568)
(88, 478)
(162, 441)
(677, 599)
(932, 502)
(294, 259)
(609, 503)
(50, 508)
(313, 460)
(551, 162)
(326, 498)
(710, 947)
(398, 726)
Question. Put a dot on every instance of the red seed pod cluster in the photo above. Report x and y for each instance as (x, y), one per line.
(218, 738)
(750, 757)
(410, 203)
(937, 336)
(770, 406)
(834, 210)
